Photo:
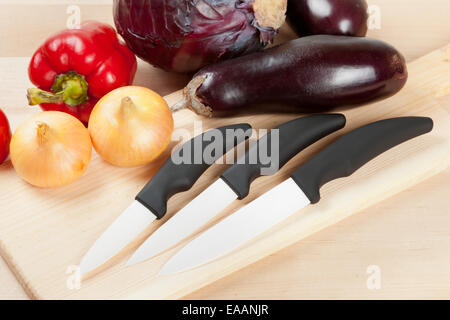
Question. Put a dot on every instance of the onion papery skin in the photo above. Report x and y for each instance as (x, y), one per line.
(134, 134)
(51, 149)
(185, 35)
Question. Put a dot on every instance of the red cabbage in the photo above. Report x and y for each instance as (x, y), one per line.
(185, 35)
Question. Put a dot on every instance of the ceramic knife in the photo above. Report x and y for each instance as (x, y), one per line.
(150, 203)
(291, 138)
(340, 159)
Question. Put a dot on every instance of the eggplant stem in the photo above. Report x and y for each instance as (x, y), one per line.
(190, 100)
(180, 105)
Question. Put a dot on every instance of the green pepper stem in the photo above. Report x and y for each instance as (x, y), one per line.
(70, 88)
(37, 96)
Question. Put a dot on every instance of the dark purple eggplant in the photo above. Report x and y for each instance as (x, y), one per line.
(185, 35)
(333, 17)
(312, 73)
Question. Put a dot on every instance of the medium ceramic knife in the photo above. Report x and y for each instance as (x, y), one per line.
(340, 159)
(173, 177)
(291, 138)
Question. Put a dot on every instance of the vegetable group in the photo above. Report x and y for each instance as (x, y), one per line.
(76, 67)
(51, 149)
(221, 40)
(333, 17)
(5, 137)
(131, 126)
(314, 73)
(185, 35)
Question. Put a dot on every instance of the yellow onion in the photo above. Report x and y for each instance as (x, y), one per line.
(51, 149)
(131, 126)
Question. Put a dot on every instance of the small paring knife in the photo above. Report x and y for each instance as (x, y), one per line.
(293, 137)
(340, 159)
(150, 203)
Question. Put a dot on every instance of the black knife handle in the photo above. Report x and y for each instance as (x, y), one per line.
(355, 149)
(176, 177)
(294, 136)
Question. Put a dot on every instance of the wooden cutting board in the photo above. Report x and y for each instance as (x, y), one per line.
(44, 233)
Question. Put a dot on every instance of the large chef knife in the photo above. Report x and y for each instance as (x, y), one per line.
(234, 183)
(340, 159)
(172, 178)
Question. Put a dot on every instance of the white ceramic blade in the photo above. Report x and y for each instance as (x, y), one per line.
(124, 229)
(186, 221)
(242, 226)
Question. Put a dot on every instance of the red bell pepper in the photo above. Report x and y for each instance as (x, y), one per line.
(5, 137)
(74, 68)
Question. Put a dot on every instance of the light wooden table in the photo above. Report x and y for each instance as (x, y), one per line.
(413, 261)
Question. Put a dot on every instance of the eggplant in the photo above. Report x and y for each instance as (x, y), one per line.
(185, 35)
(333, 17)
(314, 73)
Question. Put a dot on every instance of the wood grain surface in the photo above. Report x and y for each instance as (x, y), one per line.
(331, 264)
